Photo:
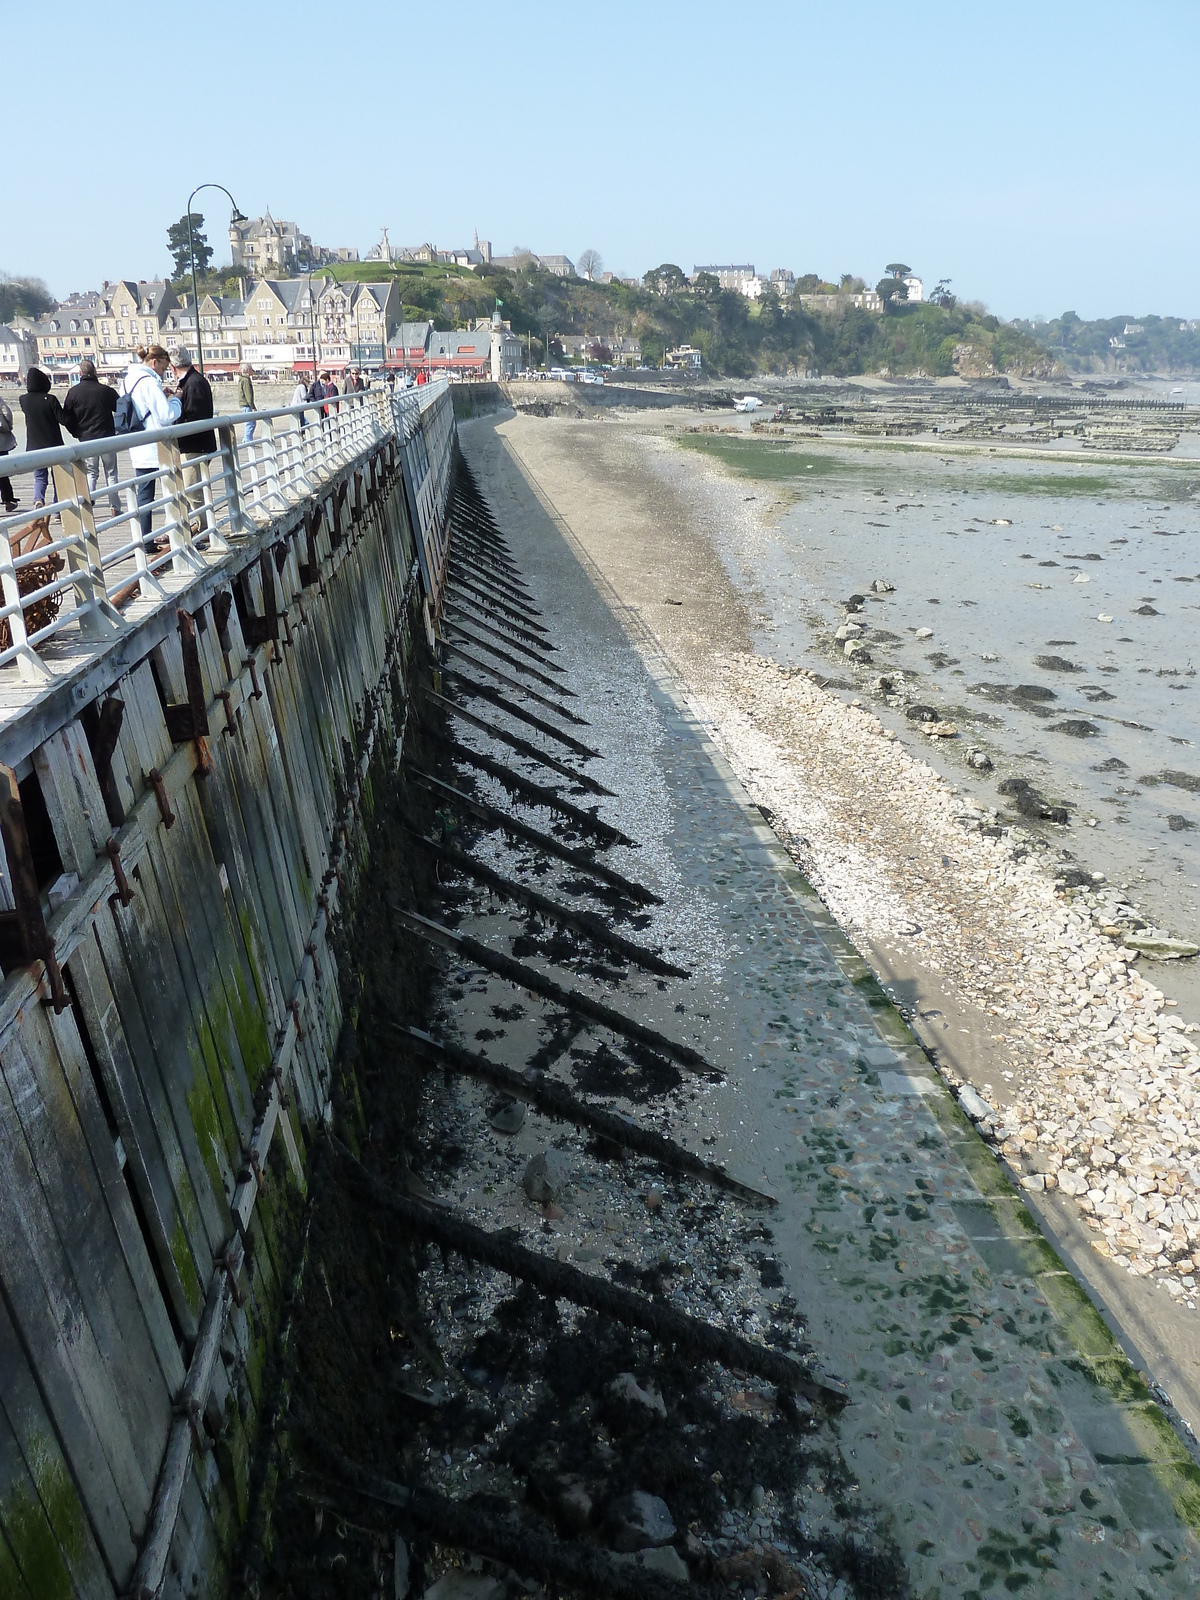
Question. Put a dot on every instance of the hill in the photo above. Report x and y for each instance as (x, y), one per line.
(1119, 344)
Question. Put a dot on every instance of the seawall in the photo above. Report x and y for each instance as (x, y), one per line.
(183, 821)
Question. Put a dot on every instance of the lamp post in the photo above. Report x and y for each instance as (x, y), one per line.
(238, 216)
(312, 318)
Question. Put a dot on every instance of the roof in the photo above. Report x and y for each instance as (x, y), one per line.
(411, 336)
(458, 341)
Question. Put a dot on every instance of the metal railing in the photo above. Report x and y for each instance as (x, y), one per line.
(169, 521)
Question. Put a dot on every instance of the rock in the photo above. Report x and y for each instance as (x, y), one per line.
(626, 1387)
(1081, 577)
(856, 650)
(572, 1500)
(939, 730)
(856, 602)
(1145, 611)
(1178, 822)
(639, 1520)
(882, 586)
(757, 1497)
(1034, 693)
(924, 633)
(546, 1176)
(1103, 617)
(919, 713)
(665, 1560)
(401, 1581)
(1076, 728)
(508, 1117)
(979, 759)
(974, 1104)
(653, 1199)
(458, 1585)
(1055, 664)
(1160, 948)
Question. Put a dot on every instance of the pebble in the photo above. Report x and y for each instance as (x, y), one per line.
(639, 1520)
(546, 1176)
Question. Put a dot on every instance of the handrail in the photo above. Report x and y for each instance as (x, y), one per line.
(176, 517)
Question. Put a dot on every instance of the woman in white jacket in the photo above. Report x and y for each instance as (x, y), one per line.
(155, 409)
(299, 396)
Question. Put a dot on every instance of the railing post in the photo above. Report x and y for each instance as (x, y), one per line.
(227, 434)
(31, 669)
(184, 558)
(97, 619)
(274, 485)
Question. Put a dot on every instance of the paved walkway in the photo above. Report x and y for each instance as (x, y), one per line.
(1013, 1443)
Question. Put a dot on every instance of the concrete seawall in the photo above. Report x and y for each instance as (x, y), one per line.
(183, 822)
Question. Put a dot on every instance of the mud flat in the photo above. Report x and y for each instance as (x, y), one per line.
(1068, 1055)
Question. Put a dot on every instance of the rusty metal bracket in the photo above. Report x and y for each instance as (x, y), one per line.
(257, 630)
(226, 699)
(188, 721)
(255, 691)
(310, 567)
(160, 794)
(24, 937)
(113, 851)
(222, 604)
(285, 1099)
(311, 949)
(294, 1008)
(102, 729)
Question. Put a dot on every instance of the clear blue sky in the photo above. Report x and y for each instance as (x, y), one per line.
(1042, 156)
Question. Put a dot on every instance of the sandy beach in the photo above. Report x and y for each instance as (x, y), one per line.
(1063, 1046)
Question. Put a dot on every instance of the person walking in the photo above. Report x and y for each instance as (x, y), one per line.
(299, 396)
(143, 382)
(88, 412)
(246, 398)
(8, 441)
(196, 405)
(43, 427)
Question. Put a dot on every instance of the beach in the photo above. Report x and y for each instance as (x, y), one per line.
(1074, 1054)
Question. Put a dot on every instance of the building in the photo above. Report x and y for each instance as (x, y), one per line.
(622, 350)
(267, 247)
(916, 289)
(72, 331)
(18, 353)
(134, 314)
(560, 266)
(408, 346)
(222, 327)
(489, 350)
(684, 356)
(783, 281)
(742, 278)
(839, 302)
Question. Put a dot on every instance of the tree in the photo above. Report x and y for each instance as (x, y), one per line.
(666, 280)
(546, 317)
(706, 286)
(941, 295)
(892, 291)
(27, 297)
(177, 243)
(898, 269)
(590, 263)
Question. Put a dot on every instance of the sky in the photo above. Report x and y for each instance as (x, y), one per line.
(1040, 156)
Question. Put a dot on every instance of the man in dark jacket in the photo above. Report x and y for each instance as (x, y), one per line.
(43, 426)
(196, 405)
(88, 413)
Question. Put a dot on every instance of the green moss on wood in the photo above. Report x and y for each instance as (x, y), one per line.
(46, 1532)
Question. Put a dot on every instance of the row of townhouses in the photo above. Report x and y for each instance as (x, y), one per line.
(284, 325)
(287, 325)
(745, 280)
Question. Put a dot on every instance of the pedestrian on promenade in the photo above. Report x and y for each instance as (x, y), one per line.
(143, 382)
(8, 441)
(196, 405)
(331, 388)
(246, 398)
(88, 411)
(43, 427)
(299, 396)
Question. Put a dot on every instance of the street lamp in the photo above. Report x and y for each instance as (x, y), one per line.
(312, 317)
(238, 216)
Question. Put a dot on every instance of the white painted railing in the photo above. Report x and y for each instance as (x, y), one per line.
(82, 567)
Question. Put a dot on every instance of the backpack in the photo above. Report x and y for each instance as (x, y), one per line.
(125, 417)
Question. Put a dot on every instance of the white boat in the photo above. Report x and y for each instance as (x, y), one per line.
(748, 402)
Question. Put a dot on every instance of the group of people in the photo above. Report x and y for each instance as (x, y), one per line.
(88, 413)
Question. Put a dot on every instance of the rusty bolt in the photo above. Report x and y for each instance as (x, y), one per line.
(160, 794)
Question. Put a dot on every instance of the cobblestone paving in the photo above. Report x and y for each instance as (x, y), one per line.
(1017, 1449)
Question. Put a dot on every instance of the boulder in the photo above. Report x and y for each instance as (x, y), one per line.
(546, 1176)
(626, 1387)
(638, 1521)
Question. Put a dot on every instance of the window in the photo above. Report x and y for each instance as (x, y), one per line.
(120, 327)
(253, 321)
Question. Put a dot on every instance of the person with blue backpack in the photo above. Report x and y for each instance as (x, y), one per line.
(144, 404)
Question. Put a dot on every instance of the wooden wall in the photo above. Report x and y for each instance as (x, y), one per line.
(133, 1119)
